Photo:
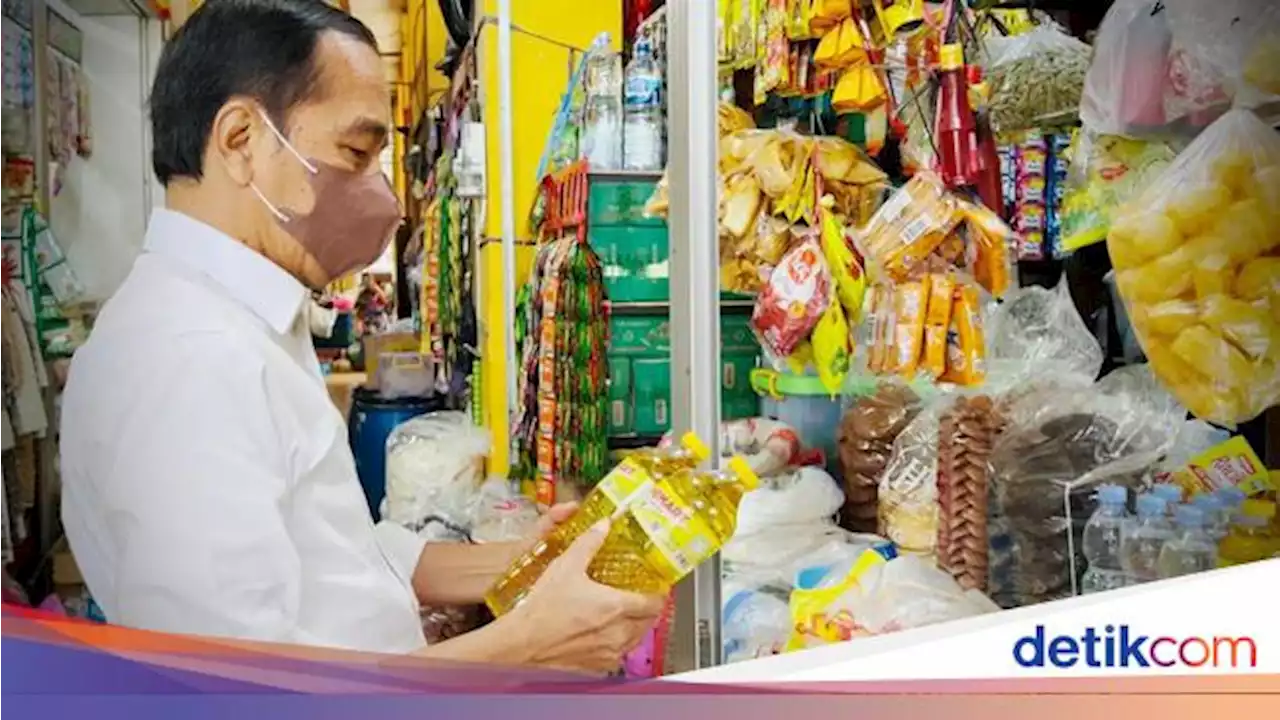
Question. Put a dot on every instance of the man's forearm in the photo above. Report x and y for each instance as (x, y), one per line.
(459, 574)
(499, 643)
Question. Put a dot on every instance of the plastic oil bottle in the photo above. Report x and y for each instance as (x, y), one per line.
(633, 475)
(1250, 537)
(1191, 550)
(665, 533)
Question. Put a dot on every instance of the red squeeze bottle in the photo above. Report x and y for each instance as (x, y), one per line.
(990, 188)
(955, 126)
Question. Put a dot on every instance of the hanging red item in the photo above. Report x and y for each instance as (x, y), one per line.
(955, 126)
(989, 186)
(636, 13)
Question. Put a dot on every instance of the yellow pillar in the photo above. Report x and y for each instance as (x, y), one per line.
(540, 75)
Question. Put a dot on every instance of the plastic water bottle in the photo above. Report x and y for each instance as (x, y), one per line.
(1143, 537)
(1171, 494)
(602, 125)
(1102, 542)
(642, 108)
(1216, 516)
(1232, 498)
(1191, 550)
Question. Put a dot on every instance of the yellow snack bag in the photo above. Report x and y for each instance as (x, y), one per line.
(909, 302)
(851, 283)
(1213, 275)
(1203, 348)
(879, 311)
(1232, 463)
(1170, 317)
(823, 614)
(966, 345)
(1259, 279)
(937, 323)
(831, 348)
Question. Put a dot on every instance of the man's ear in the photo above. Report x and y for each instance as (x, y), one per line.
(237, 134)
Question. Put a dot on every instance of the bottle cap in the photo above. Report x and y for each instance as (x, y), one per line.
(1207, 502)
(1171, 493)
(1151, 505)
(1189, 516)
(951, 57)
(1258, 509)
(1231, 495)
(1112, 495)
(691, 442)
(744, 472)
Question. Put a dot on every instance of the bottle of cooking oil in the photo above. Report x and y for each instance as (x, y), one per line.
(631, 477)
(1250, 537)
(666, 532)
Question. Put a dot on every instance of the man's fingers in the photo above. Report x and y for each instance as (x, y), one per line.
(580, 553)
(559, 513)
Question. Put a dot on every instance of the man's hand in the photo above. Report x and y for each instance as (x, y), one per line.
(554, 515)
(570, 622)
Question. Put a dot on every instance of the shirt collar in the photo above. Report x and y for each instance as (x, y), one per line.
(264, 287)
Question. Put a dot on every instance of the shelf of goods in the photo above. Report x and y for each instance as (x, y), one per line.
(634, 249)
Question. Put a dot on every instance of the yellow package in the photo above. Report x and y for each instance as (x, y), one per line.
(1232, 463)
(1169, 317)
(909, 302)
(937, 323)
(910, 225)
(801, 359)
(831, 348)
(1203, 348)
(1213, 275)
(1259, 279)
(824, 615)
(990, 239)
(966, 346)
(878, 312)
(851, 284)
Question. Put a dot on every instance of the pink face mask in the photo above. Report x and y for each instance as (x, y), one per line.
(353, 218)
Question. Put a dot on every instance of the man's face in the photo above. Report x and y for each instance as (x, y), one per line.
(344, 124)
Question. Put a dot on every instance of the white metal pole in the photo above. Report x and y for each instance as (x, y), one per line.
(507, 146)
(695, 289)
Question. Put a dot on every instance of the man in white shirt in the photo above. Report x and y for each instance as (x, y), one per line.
(208, 485)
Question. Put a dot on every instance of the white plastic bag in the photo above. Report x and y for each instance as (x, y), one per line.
(1036, 78)
(435, 465)
(1197, 259)
(1164, 67)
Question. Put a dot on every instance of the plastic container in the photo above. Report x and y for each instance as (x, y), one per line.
(1101, 542)
(1143, 537)
(1250, 537)
(373, 417)
(1170, 494)
(802, 403)
(1191, 550)
(1217, 518)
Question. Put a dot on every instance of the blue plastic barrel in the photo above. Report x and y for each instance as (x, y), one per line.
(372, 420)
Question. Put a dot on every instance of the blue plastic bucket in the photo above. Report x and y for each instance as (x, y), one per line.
(372, 420)
(801, 402)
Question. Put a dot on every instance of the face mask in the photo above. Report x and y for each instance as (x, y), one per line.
(351, 223)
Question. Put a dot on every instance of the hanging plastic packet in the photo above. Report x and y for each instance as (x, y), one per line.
(796, 295)
(831, 348)
(845, 265)
(966, 345)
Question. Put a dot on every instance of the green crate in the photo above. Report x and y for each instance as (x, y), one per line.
(739, 407)
(614, 201)
(620, 418)
(635, 262)
(650, 336)
(652, 387)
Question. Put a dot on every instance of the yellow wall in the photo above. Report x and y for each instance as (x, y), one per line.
(540, 76)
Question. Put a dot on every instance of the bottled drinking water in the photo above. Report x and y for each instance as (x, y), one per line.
(642, 135)
(1102, 542)
(1143, 538)
(1171, 494)
(1191, 550)
(1232, 498)
(1217, 517)
(602, 125)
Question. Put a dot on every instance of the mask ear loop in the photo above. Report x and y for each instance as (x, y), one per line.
(311, 168)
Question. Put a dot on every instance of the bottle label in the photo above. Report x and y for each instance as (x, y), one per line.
(623, 483)
(643, 91)
(682, 537)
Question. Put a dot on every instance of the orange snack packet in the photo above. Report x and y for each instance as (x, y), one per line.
(937, 323)
(877, 302)
(911, 225)
(965, 343)
(988, 251)
(910, 299)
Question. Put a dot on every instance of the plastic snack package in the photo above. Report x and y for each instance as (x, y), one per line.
(907, 510)
(1037, 333)
(910, 300)
(990, 248)
(434, 467)
(937, 324)
(965, 348)
(1036, 78)
(865, 441)
(845, 267)
(831, 348)
(1191, 252)
(1105, 172)
(793, 300)
(909, 226)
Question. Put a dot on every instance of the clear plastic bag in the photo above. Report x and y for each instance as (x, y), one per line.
(435, 464)
(867, 432)
(1059, 444)
(1196, 257)
(1036, 78)
(1037, 334)
(500, 514)
(907, 505)
(1164, 67)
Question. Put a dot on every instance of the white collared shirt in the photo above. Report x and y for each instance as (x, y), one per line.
(208, 486)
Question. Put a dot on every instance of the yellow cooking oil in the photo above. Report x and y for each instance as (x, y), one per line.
(633, 475)
(670, 529)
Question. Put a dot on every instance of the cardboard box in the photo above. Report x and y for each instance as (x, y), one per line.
(374, 346)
